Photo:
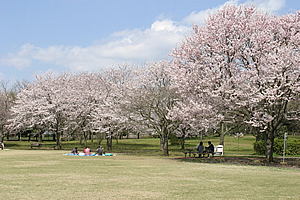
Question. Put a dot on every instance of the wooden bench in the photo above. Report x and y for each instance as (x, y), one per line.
(203, 154)
(185, 153)
(199, 154)
(36, 144)
(194, 153)
(190, 152)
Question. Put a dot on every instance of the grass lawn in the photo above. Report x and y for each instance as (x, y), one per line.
(149, 145)
(51, 175)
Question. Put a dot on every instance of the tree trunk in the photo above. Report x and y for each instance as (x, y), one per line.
(269, 143)
(40, 136)
(182, 142)
(85, 142)
(164, 142)
(183, 130)
(166, 145)
(258, 135)
(59, 140)
(1, 133)
(222, 134)
(201, 136)
(85, 138)
(109, 143)
(117, 138)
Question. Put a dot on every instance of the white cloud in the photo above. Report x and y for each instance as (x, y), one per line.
(276, 5)
(16, 61)
(199, 17)
(263, 5)
(268, 5)
(167, 25)
(134, 46)
(20, 60)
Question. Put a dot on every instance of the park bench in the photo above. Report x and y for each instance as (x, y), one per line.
(218, 151)
(203, 154)
(199, 154)
(36, 144)
(185, 153)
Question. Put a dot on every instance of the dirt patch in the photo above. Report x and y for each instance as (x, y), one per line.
(293, 163)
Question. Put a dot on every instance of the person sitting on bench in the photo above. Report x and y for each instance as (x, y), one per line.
(210, 148)
(200, 148)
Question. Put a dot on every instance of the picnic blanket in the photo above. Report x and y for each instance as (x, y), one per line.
(72, 154)
(82, 154)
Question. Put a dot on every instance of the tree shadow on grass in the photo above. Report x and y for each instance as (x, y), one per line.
(7, 145)
(135, 146)
(251, 161)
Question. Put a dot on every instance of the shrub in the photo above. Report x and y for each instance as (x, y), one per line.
(278, 147)
(174, 140)
(259, 147)
(293, 147)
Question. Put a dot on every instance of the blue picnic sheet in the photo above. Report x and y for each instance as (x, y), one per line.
(82, 154)
(72, 154)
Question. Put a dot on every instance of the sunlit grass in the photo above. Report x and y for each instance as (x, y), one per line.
(151, 146)
(51, 175)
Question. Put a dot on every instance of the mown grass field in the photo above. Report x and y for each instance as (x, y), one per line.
(45, 174)
(150, 146)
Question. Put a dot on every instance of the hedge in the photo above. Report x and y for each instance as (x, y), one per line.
(293, 147)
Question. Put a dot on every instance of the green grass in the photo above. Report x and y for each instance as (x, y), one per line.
(51, 175)
(150, 146)
(147, 144)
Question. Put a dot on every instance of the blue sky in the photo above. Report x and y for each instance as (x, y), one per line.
(88, 35)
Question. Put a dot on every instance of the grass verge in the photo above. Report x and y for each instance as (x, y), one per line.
(50, 175)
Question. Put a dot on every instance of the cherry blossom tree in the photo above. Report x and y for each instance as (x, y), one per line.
(108, 116)
(7, 98)
(66, 104)
(60, 104)
(149, 99)
(87, 93)
(244, 65)
(43, 105)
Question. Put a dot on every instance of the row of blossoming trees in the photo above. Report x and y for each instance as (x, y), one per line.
(240, 68)
(122, 98)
